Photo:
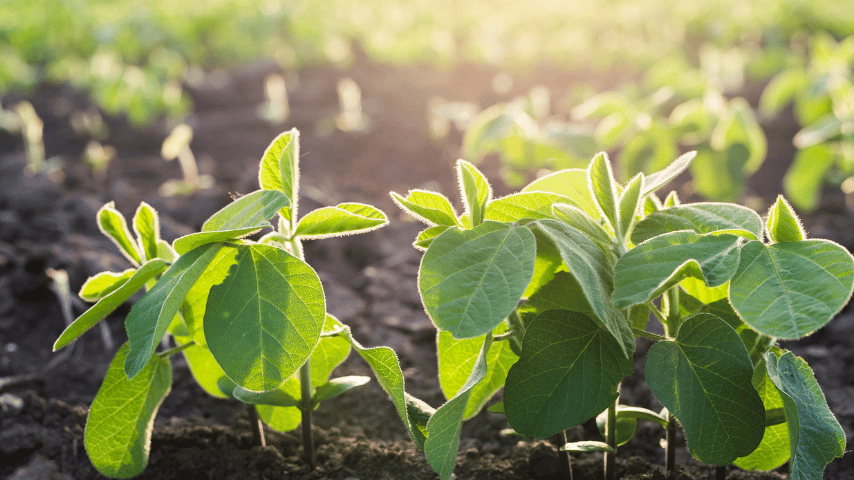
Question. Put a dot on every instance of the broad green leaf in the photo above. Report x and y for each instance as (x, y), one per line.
(456, 359)
(192, 241)
(425, 237)
(703, 377)
(603, 189)
(279, 170)
(568, 373)
(470, 280)
(118, 429)
(655, 265)
(195, 302)
(339, 385)
(103, 284)
(330, 352)
(592, 268)
(629, 203)
(815, 435)
(146, 225)
(579, 220)
(252, 210)
(701, 218)
(443, 428)
(151, 315)
(702, 292)
(112, 224)
(419, 413)
(562, 293)
(774, 449)
(783, 224)
(516, 206)
(342, 219)
(273, 398)
(474, 189)
(570, 183)
(204, 368)
(432, 208)
(805, 177)
(112, 301)
(789, 290)
(165, 251)
(384, 363)
(263, 321)
(547, 263)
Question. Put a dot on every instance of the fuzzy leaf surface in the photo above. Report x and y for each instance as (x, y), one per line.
(146, 225)
(703, 377)
(701, 218)
(789, 290)
(654, 181)
(475, 189)
(774, 449)
(570, 183)
(652, 267)
(252, 210)
(516, 206)
(263, 321)
(425, 237)
(279, 170)
(471, 280)
(443, 428)
(629, 202)
(112, 301)
(113, 224)
(603, 188)
(783, 224)
(118, 429)
(592, 268)
(342, 219)
(568, 373)
(815, 434)
(429, 207)
(103, 284)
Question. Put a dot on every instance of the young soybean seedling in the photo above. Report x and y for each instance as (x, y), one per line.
(544, 291)
(249, 317)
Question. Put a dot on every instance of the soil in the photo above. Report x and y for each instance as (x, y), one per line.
(48, 222)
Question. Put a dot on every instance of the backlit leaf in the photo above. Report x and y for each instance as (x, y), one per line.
(568, 373)
(279, 170)
(789, 290)
(475, 191)
(783, 224)
(146, 225)
(118, 429)
(104, 283)
(263, 321)
(342, 219)
(425, 237)
(805, 177)
(603, 189)
(570, 183)
(471, 280)
(429, 207)
(701, 218)
(774, 449)
(252, 210)
(703, 377)
(516, 206)
(629, 202)
(113, 225)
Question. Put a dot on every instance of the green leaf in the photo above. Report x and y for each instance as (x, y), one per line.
(273, 398)
(429, 207)
(248, 211)
(486, 131)
(106, 305)
(702, 292)
(443, 428)
(342, 219)
(774, 449)
(570, 183)
(165, 251)
(655, 265)
(385, 365)
(703, 377)
(789, 290)
(738, 125)
(626, 427)
(516, 206)
(151, 315)
(118, 429)
(204, 369)
(146, 225)
(263, 321)
(579, 220)
(113, 225)
(425, 237)
(568, 372)
(821, 131)
(279, 170)
(195, 302)
(783, 224)
(470, 280)
(719, 175)
(701, 218)
(805, 177)
(603, 188)
(456, 359)
(562, 293)
(781, 90)
(815, 434)
(192, 241)
(629, 203)
(475, 191)
(339, 385)
(592, 268)
(103, 284)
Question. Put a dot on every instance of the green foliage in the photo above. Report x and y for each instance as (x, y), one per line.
(247, 315)
(599, 258)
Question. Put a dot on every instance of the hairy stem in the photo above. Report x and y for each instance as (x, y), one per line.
(306, 395)
(179, 348)
(670, 453)
(649, 335)
(567, 457)
(611, 440)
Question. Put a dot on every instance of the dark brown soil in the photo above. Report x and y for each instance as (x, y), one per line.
(370, 280)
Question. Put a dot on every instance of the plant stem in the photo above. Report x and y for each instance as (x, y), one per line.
(720, 472)
(179, 348)
(517, 329)
(649, 335)
(256, 425)
(307, 407)
(567, 457)
(611, 440)
(670, 453)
